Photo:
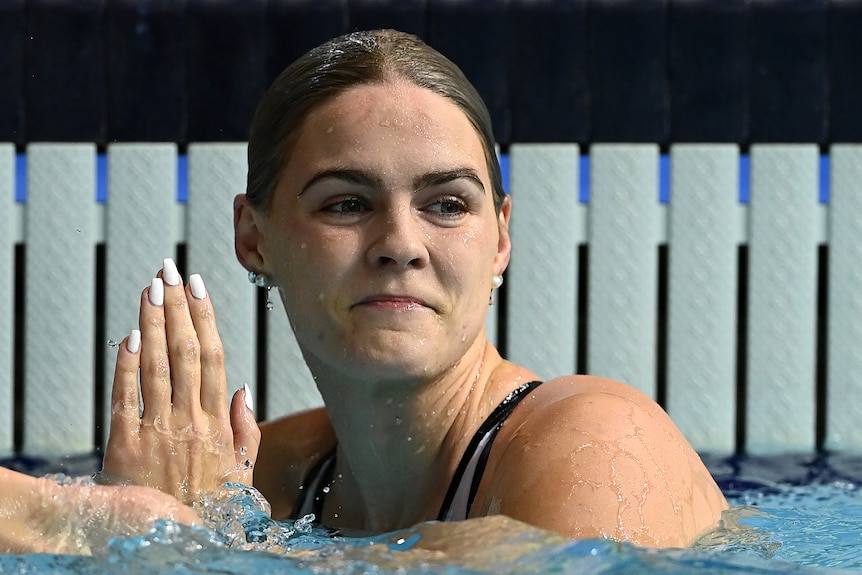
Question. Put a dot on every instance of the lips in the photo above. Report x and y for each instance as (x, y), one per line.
(395, 301)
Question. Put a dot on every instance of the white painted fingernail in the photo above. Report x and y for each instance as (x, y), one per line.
(170, 273)
(157, 292)
(134, 342)
(249, 401)
(199, 291)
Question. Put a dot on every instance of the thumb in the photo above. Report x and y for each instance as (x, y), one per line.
(246, 433)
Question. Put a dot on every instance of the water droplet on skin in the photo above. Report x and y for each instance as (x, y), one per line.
(269, 304)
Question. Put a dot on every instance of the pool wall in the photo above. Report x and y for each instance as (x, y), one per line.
(685, 178)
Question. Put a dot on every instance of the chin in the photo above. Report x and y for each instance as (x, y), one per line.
(392, 363)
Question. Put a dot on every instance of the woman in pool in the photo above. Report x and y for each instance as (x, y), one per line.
(375, 207)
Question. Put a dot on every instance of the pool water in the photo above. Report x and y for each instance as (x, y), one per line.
(791, 514)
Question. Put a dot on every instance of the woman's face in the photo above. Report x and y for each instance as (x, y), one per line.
(383, 234)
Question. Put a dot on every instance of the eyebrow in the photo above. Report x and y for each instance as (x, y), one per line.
(365, 179)
(446, 176)
(346, 175)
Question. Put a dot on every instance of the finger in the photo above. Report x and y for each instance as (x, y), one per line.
(125, 400)
(183, 348)
(246, 433)
(155, 367)
(213, 378)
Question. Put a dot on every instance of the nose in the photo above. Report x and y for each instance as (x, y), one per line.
(399, 240)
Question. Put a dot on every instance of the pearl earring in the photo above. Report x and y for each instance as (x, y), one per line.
(257, 279)
(260, 281)
(498, 281)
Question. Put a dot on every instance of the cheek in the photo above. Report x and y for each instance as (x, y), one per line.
(312, 272)
(470, 253)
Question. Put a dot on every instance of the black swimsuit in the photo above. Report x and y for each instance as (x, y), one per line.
(465, 483)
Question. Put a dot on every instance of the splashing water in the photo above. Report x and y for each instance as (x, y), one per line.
(773, 528)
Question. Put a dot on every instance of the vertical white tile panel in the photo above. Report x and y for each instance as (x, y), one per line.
(844, 360)
(217, 172)
(702, 294)
(7, 297)
(541, 279)
(140, 214)
(60, 231)
(624, 216)
(782, 298)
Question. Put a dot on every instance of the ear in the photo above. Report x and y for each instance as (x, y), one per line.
(504, 242)
(247, 234)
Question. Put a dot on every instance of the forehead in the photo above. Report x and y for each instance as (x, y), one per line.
(383, 115)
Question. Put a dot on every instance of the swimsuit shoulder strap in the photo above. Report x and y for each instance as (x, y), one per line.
(311, 493)
(465, 483)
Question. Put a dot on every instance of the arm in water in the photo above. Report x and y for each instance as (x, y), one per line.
(43, 516)
(185, 441)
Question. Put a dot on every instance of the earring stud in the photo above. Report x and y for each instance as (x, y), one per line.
(257, 279)
(260, 281)
(498, 281)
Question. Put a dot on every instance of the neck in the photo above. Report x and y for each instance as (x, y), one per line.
(400, 441)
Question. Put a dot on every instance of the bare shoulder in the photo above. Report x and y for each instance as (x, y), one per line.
(592, 457)
(289, 447)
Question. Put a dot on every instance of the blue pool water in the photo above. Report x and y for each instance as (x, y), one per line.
(790, 515)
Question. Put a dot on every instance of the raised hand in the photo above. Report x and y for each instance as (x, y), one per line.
(185, 441)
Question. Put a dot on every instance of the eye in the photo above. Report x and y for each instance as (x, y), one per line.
(345, 207)
(448, 207)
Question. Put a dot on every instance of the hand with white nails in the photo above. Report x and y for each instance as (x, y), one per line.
(185, 441)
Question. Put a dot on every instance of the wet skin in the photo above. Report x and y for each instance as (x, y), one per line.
(385, 268)
(383, 240)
